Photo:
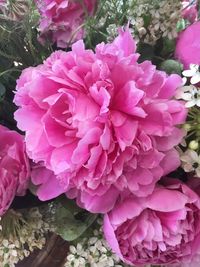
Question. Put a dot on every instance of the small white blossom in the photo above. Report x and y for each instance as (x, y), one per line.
(191, 161)
(193, 145)
(163, 17)
(193, 73)
(94, 251)
(190, 94)
(31, 230)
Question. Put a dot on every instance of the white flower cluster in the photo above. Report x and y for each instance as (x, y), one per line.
(14, 10)
(29, 234)
(190, 93)
(155, 19)
(92, 252)
(191, 162)
(111, 10)
(112, 31)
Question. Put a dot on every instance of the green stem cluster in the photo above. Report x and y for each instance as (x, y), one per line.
(11, 224)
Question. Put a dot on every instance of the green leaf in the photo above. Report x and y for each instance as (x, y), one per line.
(168, 47)
(70, 205)
(181, 25)
(171, 66)
(147, 20)
(70, 226)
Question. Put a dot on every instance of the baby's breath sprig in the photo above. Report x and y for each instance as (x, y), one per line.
(20, 234)
(93, 251)
(155, 19)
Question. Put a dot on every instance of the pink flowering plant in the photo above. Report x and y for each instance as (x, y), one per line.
(161, 228)
(63, 21)
(101, 127)
(14, 168)
(100, 130)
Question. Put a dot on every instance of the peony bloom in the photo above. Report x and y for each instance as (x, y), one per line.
(188, 46)
(14, 168)
(101, 121)
(3, 4)
(189, 11)
(193, 262)
(62, 21)
(162, 228)
(47, 182)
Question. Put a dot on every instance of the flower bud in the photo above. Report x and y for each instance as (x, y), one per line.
(194, 145)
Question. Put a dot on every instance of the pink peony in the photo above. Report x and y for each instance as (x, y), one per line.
(189, 11)
(2, 2)
(194, 262)
(2, 5)
(188, 46)
(101, 121)
(47, 182)
(162, 228)
(62, 21)
(14, 168)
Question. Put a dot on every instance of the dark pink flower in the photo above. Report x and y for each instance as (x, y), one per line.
(101, 121)
(190, 10)
(62, 21)
(188, 46)
(2, 5)
(14, 168)
(162, 228)
(47, 182)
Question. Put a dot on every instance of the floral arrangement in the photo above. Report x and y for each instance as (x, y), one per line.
(100, 131)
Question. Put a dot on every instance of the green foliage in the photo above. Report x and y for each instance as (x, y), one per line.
(168, 47)
(181, 25)
(19, 48)
(70, 221)
(171, 66)
(108, 13)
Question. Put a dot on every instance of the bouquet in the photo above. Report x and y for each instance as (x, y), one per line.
(100, 131)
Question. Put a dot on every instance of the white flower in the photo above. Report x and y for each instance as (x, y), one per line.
(94, 251)
(93, 240)
(191, 162)
(163, 15)
(193, 145)
(72, 249)
(70, 257)
(193, 72)
(190, 94)
(30, 235)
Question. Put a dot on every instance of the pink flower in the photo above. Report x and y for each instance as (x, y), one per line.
(162, 228)
(47, 182)
(194, 262)
(190, 10)
(14, 168)
(188, 46)
(101, 121)
(62, 21)
(2, 2)
(2, 5)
